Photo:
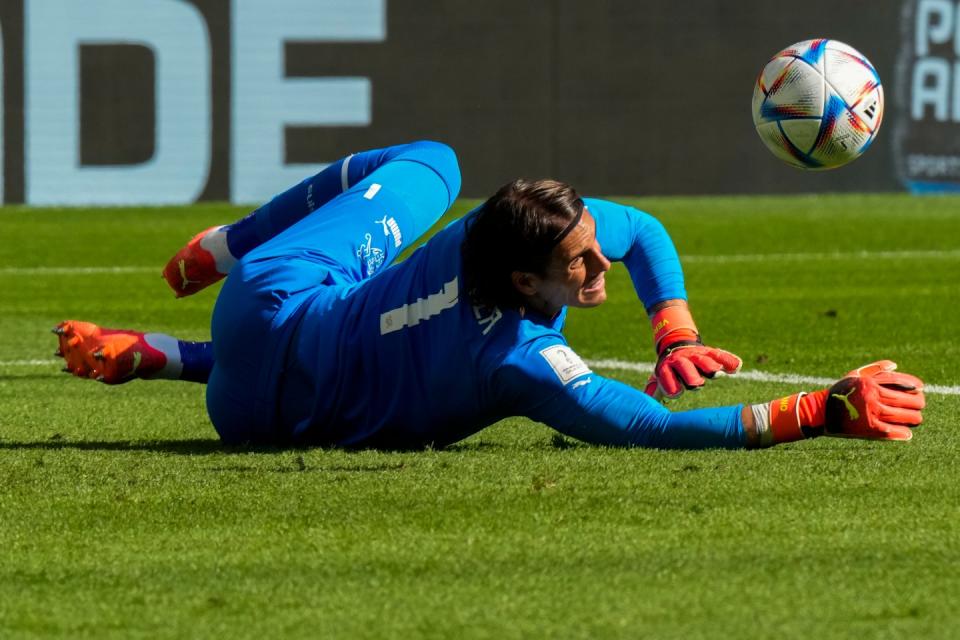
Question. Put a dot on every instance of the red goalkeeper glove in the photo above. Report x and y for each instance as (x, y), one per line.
(683, 361)
(872, 402)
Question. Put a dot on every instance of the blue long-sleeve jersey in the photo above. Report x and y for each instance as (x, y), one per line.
(405, 359)
(361, 354)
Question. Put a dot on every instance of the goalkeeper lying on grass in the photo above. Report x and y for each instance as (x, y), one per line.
(317, 339)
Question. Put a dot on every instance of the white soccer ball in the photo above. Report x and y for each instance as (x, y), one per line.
(818, 104)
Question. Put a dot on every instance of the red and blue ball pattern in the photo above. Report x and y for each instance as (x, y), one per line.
(818, 104)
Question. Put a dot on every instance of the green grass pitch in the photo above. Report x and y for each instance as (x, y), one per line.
(121, 516)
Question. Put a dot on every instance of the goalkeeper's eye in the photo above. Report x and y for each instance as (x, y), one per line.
(576, 263)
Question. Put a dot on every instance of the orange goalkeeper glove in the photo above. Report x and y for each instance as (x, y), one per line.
(683, 361)
(872, 402)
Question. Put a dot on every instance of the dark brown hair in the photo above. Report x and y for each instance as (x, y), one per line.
(516, 229)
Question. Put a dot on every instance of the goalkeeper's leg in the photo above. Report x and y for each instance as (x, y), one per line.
(210, 255)
(115, 356)
(352, 237)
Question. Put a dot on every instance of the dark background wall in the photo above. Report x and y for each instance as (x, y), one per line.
(615, 96)
(623, 97)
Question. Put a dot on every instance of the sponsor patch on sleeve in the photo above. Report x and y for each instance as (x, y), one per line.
(564, 362)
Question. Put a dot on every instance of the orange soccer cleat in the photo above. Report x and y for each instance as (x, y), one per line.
(111, 356)
(203, 262)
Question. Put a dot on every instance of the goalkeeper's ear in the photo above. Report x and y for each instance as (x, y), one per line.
(525, 283)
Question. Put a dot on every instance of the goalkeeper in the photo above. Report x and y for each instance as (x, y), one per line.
(317, 339)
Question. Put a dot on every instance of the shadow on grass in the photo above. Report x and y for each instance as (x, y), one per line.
(474, 447)
(300, 466)
(209, 446)
(199, 447)
(204, 448)
(177, 447)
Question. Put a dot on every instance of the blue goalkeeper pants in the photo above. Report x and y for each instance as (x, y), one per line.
(316, 239)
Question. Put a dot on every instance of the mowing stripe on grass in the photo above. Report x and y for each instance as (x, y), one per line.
(624, 365)
(74, 271)
(948, 254)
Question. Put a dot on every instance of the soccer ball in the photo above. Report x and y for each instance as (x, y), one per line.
(818, 104)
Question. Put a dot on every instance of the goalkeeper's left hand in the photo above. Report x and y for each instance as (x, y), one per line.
(683, 361)
(874, 402)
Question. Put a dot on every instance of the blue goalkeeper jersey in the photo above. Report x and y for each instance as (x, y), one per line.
(404, 359)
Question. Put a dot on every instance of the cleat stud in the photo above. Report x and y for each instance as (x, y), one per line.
(58, 354)
(101, 379)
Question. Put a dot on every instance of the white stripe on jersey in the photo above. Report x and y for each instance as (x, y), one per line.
(345, 174)
(410, 315)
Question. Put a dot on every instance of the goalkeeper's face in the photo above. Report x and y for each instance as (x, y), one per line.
(575, 275)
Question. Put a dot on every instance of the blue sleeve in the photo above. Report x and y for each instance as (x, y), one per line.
(558, 390)
(639, 241)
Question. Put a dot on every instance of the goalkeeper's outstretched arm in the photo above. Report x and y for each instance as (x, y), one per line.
(643, 245)
(871, 402)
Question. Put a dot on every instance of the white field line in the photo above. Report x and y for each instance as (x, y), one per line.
(803, 257)
(623, 365)
(691, 259)
(760, 376)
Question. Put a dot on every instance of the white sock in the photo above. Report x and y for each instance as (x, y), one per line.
(215, 241)
(170, 347)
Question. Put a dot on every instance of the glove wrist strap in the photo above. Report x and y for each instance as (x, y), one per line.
(812, 409)
(671, 325)
(789, 419)
(785, 419)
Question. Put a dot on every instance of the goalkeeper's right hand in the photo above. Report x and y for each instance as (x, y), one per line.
(873, 402)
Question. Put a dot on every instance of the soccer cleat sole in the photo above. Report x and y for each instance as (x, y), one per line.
(192, 268)
(106, 355)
